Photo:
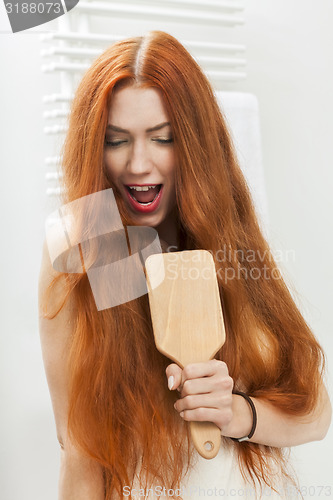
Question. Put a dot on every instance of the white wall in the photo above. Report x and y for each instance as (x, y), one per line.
(290, 71)
(29, 454)
(290, 53)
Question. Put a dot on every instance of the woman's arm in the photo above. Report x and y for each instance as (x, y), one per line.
(276, 428)
(80, 478)
(206, 395)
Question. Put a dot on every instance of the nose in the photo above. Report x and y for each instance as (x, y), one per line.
(139, 161)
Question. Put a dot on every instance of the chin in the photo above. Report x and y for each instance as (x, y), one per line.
(150, 220)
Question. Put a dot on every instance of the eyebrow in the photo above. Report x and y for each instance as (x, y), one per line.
(152, 129)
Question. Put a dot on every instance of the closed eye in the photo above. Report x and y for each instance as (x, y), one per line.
(115, 144)
(164, 141)
(118, 142)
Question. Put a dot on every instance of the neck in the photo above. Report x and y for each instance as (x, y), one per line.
(168, 232)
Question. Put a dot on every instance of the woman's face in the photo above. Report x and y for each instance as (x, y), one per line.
(139, 154)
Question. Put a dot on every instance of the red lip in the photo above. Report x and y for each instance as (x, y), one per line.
(145, 209)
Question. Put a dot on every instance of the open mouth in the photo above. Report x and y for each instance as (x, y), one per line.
(145, 195)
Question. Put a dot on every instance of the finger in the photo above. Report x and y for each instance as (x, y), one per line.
(197, 386)
(174, 375)
(218, 417)
(219, 401)
(215, 383)
(206, 369)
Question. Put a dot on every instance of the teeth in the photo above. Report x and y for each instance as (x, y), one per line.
(142, 188)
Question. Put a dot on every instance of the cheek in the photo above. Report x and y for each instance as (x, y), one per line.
(113, 165)
(167, 163)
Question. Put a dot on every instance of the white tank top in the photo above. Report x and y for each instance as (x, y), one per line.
(218, 478)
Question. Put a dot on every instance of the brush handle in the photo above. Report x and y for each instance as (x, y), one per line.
(206, 437)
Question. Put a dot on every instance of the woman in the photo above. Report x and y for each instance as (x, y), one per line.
(145, 123)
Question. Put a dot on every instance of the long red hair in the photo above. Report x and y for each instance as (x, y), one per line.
(121, 413)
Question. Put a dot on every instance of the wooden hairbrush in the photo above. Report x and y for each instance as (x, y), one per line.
(187, 320)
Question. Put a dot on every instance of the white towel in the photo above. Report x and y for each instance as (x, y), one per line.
(241, 111)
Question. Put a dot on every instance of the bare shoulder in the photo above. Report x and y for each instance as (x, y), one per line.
(55, 335)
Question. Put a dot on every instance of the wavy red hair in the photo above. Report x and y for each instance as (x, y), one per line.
(121, 412)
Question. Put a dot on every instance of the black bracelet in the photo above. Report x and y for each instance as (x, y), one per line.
(254, 415)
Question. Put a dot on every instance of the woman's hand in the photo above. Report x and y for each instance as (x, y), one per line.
(205, 392)
(206, 395)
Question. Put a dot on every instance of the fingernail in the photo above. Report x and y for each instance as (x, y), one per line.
(170, 382)
(181, 413)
